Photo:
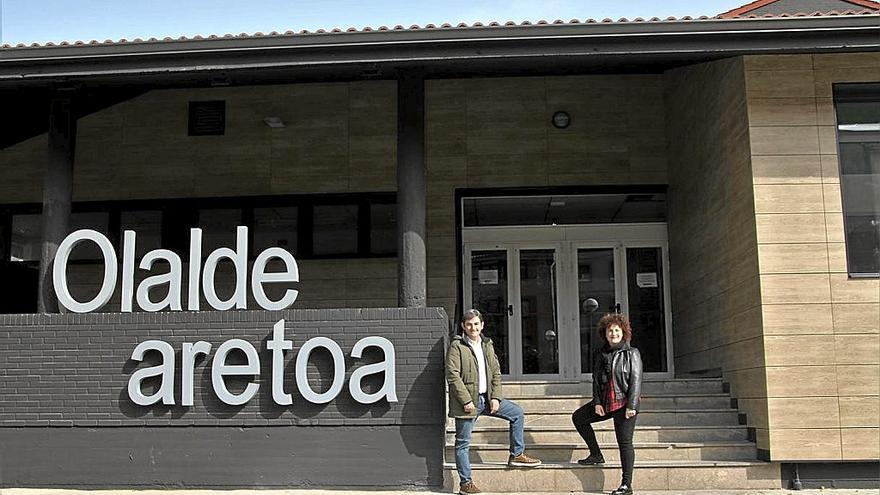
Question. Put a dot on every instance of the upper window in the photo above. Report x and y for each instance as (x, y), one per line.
(310, 226)
(26, 233)
(858, 138)
(335, 230)
(563, 209)
(276, 227)
(147, 224)
(94, 220)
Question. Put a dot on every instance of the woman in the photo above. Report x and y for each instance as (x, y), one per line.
(617, 385)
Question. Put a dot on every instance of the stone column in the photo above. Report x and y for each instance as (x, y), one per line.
(411, 191)
(57, 192)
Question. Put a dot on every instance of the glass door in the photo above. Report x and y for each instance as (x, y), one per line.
(517, 290)
(489, 293)
(536, 315)
(646, 305)
(542, 298)
(628, 278)
(597, 295)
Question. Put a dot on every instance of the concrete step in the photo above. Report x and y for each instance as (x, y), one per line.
(539, 435)
(674, 386)
(569, 403)
(571, 452)
(674, 417)
(648, 475)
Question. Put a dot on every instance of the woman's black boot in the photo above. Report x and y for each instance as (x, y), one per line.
(623, 490)
(591, 460)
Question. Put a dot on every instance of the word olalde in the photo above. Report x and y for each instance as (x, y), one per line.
(276, 345)
(200, 278)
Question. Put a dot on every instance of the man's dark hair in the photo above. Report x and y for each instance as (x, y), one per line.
(470, 314)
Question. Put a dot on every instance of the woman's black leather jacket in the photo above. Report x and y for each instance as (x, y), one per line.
(627, 372)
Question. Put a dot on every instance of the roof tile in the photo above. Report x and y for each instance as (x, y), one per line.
(462, 25)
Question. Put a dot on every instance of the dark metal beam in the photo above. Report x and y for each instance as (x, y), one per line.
(411, 191)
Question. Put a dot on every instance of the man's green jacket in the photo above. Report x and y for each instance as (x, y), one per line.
(463, 377)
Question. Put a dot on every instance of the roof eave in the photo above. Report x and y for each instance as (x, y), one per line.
(446, 45)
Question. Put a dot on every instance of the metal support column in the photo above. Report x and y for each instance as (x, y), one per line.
(57, 193)
(411, 191)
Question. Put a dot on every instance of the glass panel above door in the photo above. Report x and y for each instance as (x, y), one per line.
(540, 350)
(596, 296)
(564, 209)
(489, 295)
(647, 311)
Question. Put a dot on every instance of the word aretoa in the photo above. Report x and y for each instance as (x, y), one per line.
(174, 276)
(277, 345)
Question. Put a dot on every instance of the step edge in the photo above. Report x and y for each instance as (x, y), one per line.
(718, 395)
(644, 445)
(610, 428)
(616, 464)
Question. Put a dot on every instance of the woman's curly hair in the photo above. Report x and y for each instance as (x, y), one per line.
(621, 321)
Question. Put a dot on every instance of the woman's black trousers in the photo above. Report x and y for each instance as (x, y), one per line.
(623, 429)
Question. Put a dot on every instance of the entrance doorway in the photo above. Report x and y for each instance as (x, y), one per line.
(543, 289)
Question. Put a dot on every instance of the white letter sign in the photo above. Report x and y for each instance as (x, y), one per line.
(59, 271)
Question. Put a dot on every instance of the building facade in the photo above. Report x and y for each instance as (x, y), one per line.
(716, 183)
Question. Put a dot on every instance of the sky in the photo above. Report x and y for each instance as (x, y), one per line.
(42, 21)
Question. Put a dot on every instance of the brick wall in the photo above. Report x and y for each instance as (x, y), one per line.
(64, 379)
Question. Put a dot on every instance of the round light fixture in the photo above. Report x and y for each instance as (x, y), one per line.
(561, 120)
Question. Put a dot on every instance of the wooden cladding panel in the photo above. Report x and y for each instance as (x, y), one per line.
(820, 326)
(859, 411)
(804, 412)
(805, 444)
(860, 444)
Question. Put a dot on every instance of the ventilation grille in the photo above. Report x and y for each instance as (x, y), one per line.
(207, 118)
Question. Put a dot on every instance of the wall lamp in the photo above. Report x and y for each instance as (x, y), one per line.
(274, 122)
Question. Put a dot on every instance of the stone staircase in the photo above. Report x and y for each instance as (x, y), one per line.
(688, 437)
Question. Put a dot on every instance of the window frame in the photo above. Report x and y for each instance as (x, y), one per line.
(872, 94)
(185, 212)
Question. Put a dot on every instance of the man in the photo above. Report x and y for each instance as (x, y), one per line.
(474, 378)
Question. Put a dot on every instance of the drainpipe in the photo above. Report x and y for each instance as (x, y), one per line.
(796, 481)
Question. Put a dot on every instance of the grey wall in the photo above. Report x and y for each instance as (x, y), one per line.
(66, 419)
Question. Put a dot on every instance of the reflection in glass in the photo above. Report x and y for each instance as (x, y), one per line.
(595, 283)
(489, 295)
(26, 235)
(538, 311)
(858, 135)
(564, 209)
(218, 228)
(335, 230)
(383, 228)
(275, 227)
(646, 308)
(148, 227)
(94, 220)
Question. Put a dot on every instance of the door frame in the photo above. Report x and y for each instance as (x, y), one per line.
(514, 297)
(566, 240)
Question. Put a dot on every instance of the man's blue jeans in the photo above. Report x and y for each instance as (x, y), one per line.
(463, 428)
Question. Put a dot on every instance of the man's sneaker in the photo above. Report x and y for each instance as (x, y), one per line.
(591, 460)
(468, 488)
(522, 460)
